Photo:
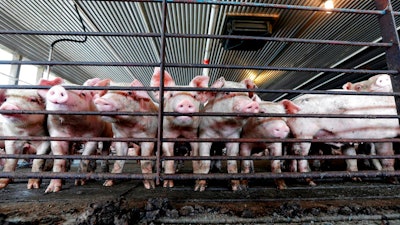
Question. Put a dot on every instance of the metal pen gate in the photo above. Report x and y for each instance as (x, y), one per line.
(384, 13)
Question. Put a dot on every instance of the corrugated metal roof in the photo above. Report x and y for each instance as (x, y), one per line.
(145, 17)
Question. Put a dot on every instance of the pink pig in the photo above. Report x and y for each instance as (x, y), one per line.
(308, 128)
(265, 127)
(182, 126)
(129, 126)
(224, 126)
(25, 125)
(63, 125)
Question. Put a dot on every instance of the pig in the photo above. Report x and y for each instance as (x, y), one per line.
(64, 125)
(377, 83)
(25, 125)
(265, 127)
(182, 126)
(129, 126)
(308, 128)
(224, 126)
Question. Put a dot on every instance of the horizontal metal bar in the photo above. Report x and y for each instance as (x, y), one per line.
(193, 36)
(134, 64)
(189, 176)
(115, 157)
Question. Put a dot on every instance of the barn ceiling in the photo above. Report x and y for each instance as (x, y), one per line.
(127, 35)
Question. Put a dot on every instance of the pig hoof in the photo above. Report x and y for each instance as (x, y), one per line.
(80, 182)
(149, 184)
(357, 179)
(54, 186)
(200, 185)
(280, 184)
(244, 184)
(108, 183)
(236, 185)
(34, 183)
(311, 182)
(168, 184)
(4, 182)
(393, 180)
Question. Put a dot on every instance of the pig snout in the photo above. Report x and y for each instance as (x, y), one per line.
(281, 131)
(185, 106)
(252, 107)
(8, 106)
(104, 105)
(57, 94)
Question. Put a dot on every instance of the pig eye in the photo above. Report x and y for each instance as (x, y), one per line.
(129, 93)
(33, 100)
(83, 94)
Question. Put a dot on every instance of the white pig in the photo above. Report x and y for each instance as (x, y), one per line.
(377, 83)
(64, 125)
(129, 126)
(265, 127)
(224, 126)
(308, 128)
(25, 125)
(182, 126)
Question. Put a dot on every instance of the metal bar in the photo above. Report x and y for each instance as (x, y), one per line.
(191, 36)
(129, 64)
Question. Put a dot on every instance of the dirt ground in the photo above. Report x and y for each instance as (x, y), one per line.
(331, 202)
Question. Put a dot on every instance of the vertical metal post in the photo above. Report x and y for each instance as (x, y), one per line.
(161, 96)
(389, 34)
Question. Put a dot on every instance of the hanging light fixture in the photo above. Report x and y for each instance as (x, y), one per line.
(328, 5)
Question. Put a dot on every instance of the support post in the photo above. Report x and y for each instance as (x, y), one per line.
(389, 34)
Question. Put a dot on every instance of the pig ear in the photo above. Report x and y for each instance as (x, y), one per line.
(92, 82)
(256, 98)
(219, 83)
(141, 94)
(200, 81)
(102, 83)
(55, 81)
(156, 78)
(290, 107)
(249, 85)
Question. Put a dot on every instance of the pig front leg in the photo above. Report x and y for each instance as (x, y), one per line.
(232, 149)
(58, 148)
(275, 149)
(37, 164)
(351, 163)
(169, 165)
(10, 164)
(386, 149)
(245, 150)
(303, 149)
(89, 149)
(202, 166)
(147, 165)
(121, 150)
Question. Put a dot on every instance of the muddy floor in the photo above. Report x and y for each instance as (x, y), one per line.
(333, 201)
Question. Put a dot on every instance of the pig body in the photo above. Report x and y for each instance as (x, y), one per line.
(308, 128)
(63, 125)
(224, 126)
(24, 125)
(182, 126)
(129, 126)
(265, 127)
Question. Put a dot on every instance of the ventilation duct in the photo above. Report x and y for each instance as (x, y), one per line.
(247, 25)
